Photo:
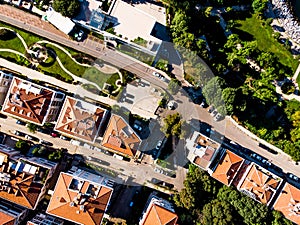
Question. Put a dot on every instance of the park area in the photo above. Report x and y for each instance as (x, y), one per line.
(60, 62)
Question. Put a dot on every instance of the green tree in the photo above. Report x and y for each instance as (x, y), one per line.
(174, 86)
(32, 127)
(212, 91)
(217, 212)
(68, 8)
(229, 97)
(259, 6)
(22, 146)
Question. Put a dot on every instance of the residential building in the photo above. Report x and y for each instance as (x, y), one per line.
(260, 184)
(288, 203)
(5, 81)
(81, 120)
(120, 138)
(31, 102)
(227, 167)
(80, 197)
(45, 219)
(158, 211)
(201, 150)
(11, 214)
(23, 181)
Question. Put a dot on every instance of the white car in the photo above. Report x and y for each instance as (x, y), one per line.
(158, 145)
(156, 74)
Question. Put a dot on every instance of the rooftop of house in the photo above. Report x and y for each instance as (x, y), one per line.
(159, 212)
(120, 137)
(21, 180)
(288, 203)
(259, 184)
(6, 219)
(27, 101)
(201, 149)
(228, 167)
(84, 200)
(80, 119)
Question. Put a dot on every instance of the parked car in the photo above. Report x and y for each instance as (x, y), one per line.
(211, 109)
(266, 162)
(214, 113)
(267, 148)
(19, 133)
(137, 127)
(79, 35)
(64, 138)
(255, 156)
(54, 134)
(293, 177)
(45, 142)
(3, 116)
(28, 137)
(203, 104)
(218, 117)
(158, 145)
(156, 74)
(20, 122)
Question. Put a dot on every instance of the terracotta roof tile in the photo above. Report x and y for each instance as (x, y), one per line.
(158, 215)
(227, 167)
(119, 136)
(80, 119)
(27, 101)
(260, 184)
(65, 202)
(288, 203)
(6, 219)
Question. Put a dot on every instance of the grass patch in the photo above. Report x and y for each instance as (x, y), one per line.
(14, 44)
(139, 55)
(262, 33)
(99, 78)
(68, 63)
(14, 58)
(140, 41)
(29, 38)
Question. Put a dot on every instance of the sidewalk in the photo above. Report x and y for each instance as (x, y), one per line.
(35, 75)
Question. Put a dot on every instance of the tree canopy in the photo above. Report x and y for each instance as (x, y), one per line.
(68, 8)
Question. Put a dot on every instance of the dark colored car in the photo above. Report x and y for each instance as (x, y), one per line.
(20, 122)
(268, 149)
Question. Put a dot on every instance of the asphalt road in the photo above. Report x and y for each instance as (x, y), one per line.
(185, 107)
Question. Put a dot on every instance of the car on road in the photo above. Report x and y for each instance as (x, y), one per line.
(255, 156)
(19, 133)
(266, 162)
(214, 113)
(158, 145)
(3, 116)
(218, 117)
(64, 138)
(42, 130)
(137, 127)
(45, 142)
(54, 134)
(20, 122)
(292, 177)
(156, 74)
(171, 105)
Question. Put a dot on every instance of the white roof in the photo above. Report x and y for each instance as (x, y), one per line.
(62, 23)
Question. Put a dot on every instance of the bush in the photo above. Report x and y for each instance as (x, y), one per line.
(7, 34)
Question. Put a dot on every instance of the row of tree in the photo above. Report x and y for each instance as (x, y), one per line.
(205, 201)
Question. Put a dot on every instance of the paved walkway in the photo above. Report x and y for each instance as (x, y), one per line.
(33, 74)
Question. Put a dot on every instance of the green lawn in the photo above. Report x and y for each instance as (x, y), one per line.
(14, 58)
(14, 44)
(28, 37)
(265, 41)
(68, 63)
(99, 78)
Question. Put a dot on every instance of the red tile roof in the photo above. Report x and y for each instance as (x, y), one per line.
(288, 203)
(84, 209)
(227, 167)
(27, 101)
(6, 219)
(260, 184)
(158, 215)
(120, 137)
(78, 121)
